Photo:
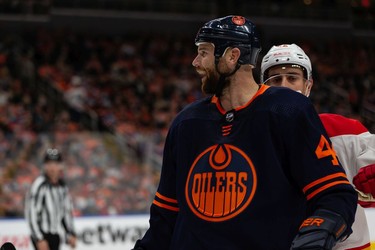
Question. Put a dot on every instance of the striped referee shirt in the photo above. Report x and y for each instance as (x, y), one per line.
(48, 208)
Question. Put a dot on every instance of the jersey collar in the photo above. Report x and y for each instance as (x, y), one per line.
(260, 91)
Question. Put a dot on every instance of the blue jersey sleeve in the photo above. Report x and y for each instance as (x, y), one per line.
(315, 166)
(164, 209)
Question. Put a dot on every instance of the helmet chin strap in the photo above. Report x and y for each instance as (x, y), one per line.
(221, 83)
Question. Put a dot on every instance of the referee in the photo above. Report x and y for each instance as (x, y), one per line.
(48, 208)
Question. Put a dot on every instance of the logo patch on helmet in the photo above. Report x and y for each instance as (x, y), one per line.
(238, 20)
(221, 183)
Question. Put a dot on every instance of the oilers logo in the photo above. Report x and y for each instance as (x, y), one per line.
(221, 183)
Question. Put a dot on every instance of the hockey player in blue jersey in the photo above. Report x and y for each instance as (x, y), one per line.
(249, 166)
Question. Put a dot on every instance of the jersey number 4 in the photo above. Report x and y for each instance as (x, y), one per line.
(324, 149)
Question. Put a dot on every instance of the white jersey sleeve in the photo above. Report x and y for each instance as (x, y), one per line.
(355, 148)
(353, 143)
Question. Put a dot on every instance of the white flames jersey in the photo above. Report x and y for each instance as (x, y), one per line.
(355, 148)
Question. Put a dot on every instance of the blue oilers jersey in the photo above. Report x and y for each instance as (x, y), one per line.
(246, 178)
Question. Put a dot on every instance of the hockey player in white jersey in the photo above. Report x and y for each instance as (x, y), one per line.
(287, 65)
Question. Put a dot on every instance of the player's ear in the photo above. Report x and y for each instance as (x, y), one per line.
(309, 84)
(233, 54)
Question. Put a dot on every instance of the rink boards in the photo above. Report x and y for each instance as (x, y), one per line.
(105, 232)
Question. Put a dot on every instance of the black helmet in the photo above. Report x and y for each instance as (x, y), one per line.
(232, 31)
(52, 154)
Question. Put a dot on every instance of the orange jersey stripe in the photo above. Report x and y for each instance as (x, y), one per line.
(176, 209)
(321, 180)
(165, 198)
(326, 187)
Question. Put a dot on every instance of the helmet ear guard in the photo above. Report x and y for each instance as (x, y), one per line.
(248, 55)
(232, 31)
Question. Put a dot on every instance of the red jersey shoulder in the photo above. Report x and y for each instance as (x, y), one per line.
(336, 125)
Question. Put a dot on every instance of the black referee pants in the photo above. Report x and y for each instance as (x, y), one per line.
(52, 239)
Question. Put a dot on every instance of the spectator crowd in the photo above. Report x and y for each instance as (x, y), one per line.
(107, 101)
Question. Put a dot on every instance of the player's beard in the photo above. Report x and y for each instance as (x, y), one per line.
(209, 82)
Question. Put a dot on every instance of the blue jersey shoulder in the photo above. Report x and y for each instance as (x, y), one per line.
(284, 101)
(286, 95)
(200, 109)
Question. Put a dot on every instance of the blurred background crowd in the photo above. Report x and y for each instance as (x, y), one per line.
(106, 99)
